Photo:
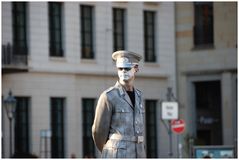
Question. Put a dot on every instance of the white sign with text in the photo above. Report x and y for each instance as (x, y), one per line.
(169, 110)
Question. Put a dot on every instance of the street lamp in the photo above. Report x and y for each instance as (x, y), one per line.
(10, 106)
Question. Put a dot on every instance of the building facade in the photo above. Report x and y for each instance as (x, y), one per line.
(56, 60)
(206, 49)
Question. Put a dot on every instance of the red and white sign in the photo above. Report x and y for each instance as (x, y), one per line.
(178, 126)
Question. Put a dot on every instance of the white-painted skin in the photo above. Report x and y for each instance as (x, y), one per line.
(126, 78)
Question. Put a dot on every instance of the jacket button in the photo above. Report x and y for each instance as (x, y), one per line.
(136, 122)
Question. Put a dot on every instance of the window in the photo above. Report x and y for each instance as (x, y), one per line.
(88, 109)
(57, 127)
(208, 112)
(151, 130)
(19, 21)
(22, 126)
(55, 29)
(118, 28)
(149, 39)
(87, 32)
(203, 29)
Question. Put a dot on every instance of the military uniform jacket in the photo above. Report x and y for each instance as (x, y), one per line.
(118, 129)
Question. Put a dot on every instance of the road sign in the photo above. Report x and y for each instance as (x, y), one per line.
(178, 126)
(169, 110)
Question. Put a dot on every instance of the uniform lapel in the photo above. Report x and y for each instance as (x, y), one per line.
(124, 95)
(127, 99)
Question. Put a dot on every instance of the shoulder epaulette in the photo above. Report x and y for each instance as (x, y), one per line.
(109, 89)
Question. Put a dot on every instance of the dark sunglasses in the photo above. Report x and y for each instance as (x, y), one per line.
(126, 69)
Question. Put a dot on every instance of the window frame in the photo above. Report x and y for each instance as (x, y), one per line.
(55, 46)
(118, 32)
(207, 109)
(203, 37)
(59, 153)
(153, 124)
(87, 139)
(87, 50)
(22, 111)
(149, 22)
(19, 43)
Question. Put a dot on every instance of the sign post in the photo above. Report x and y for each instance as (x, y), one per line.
(178, 127)
(169, 112)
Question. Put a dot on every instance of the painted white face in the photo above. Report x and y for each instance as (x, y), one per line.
(125, 74)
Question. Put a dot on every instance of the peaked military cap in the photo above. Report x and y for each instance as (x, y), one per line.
(126, 59)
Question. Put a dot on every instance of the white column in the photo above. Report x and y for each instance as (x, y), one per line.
(38, 34)
(227, 109)
(6, 23)
(71, 32)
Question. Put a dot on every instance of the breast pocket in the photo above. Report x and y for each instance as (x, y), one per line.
(122, 114)
(121, 119)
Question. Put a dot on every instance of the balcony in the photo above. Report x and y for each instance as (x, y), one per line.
(13, 63)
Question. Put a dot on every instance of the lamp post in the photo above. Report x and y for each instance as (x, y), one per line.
(10, 106)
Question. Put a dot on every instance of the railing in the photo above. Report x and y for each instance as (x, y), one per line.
(13, 61)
